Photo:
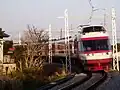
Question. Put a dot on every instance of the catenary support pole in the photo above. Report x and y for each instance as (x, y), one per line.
(114, 37)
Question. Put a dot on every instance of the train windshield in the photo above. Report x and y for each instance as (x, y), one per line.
(93, 29)
(93, 45)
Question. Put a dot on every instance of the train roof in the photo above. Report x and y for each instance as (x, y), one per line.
(83, 26)
(60, 40)
(93, 25)
(93, 28)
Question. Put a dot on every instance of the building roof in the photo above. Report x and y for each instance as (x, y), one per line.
(3, 34)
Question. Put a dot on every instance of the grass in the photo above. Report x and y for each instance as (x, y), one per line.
(30, 79)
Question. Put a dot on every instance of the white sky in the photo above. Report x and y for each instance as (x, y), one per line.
(16, 14)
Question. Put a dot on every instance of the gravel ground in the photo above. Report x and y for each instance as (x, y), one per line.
(112, 83)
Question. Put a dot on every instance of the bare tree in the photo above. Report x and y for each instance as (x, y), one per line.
(34, 47)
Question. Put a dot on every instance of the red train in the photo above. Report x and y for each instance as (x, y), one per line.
(90, 49)
(97, 47)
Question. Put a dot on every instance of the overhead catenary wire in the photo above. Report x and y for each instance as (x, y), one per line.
(93, 10)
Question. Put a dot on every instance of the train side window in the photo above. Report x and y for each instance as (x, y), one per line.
(61, 51)
(70, 46)
(58, 46)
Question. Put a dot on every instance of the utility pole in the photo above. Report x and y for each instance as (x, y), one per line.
(66, 48)
(67, 45)
(50, 44)
(19, 37)
(67, 41)
(73, 44)
(115, 52)
(1, 50)
(61, 33)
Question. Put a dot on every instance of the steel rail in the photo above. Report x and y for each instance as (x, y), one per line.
(102, 76)
(98, 82)
(74, 84)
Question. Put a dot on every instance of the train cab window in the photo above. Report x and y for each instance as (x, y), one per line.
(93, 29)
(93, 45)
(58, 46)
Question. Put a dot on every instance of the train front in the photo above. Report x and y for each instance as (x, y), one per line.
(97, 50)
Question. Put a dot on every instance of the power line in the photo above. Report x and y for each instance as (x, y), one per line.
(93, 10)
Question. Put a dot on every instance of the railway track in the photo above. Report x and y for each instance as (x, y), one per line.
(92, 84)
(88, 81)
(98, 82)
(77, 80)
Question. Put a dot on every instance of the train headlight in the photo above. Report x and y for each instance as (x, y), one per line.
(107, 53)
(87, 54)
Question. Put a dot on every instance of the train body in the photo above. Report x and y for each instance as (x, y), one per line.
(96, 48)
(91, 48)
(59, 50)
